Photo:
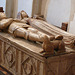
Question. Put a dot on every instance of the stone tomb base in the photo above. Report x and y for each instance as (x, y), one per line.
(21, 57)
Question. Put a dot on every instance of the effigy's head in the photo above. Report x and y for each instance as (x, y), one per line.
(22, 14)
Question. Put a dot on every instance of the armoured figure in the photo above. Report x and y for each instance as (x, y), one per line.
(19, 28)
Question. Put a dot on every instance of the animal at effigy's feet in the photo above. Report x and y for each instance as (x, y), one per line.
(50, 46)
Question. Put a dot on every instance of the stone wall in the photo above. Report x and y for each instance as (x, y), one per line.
(25, 5)
(3, 4)
(57, 11)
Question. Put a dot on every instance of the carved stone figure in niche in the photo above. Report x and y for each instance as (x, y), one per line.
(20, 29)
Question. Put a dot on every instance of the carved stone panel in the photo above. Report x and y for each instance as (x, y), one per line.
(10, 57)
(62, 65)
(18, 62)
(52, 68)
(31, 66)
(28, 65)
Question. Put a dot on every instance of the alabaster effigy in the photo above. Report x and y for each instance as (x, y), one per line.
(19, 29)
(27, 50)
